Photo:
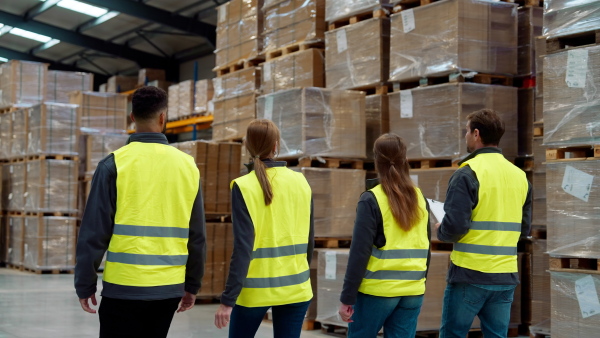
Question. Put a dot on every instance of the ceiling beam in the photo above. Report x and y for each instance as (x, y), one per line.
(160, 16)
(40, 8)
(96, 21)
(142, 58)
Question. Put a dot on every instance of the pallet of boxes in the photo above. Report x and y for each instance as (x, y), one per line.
(572, 144)
(39, 132)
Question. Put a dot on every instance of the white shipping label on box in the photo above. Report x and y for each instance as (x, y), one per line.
(269, 107)
(587, 296)
(342, 42)
(330, 265)
(415, 179)
(577, 68)
(223, 13)
(406, 104)
(577, 183)
(267, 72)
(408, 20)
(437, 208)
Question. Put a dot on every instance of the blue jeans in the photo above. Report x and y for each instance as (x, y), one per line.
(287, 320)
(462, 302)
(397, 315)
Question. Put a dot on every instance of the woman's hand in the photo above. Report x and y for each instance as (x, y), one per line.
(222, 316)
(346, 312)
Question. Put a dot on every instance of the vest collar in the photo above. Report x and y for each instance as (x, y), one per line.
(371, 183)
(148, 138)
(270, 163)
(484, 150)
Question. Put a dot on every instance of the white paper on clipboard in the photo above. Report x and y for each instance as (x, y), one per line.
(437, 208)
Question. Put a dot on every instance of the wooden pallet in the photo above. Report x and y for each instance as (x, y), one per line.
(14, 267)
(16, 160)
(239, 65)
(538, 129)
(293, 48)
(561, 43)
(189, 116)
(408, 4)
(464, 77)
(539, 233)
(7, 110)
(579, 265)
(332, 242)
(432, 163)
(220, 217)
(376, 13)
(375, 89)
(325, 162)
(575, 153)
(49, 271)
(53, 157)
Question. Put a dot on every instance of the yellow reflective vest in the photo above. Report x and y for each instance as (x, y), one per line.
(399, 268)
(278, 273)
(490, 246)
(149, 243)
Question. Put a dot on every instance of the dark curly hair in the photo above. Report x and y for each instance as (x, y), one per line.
(489, 124)
(147, 102)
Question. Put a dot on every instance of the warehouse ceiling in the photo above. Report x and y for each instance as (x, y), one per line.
(108, 37)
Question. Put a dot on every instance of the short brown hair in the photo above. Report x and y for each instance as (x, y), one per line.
(489, 124)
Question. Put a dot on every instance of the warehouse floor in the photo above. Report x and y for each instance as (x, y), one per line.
(34, 306)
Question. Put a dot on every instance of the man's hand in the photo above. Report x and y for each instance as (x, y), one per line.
(346, 312)
(86, 306)
(222, 316)
(187, 302)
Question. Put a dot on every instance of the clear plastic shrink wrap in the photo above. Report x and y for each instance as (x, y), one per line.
(317, 122)
(232, 117)
(432, 119)
(22, 83)
(540, 286)
(239, 25)
(61, 83)
(573, 197)
(204, 94)
(377, 120)
(173, 104)
(53, 129)
(573, 298)
(455, 35)
(186, 98)
(358, 55)
(49, 242)
(531, 20)
(17, 187)
(19, 132)
(571, 98)
(301, 69)
(97, 147)
(293, 21)
(51, 186)
(341, 9)
(15, 240)
(241, 82)
(566, 17)
(101, 112)
(5, 136)
(539, 183)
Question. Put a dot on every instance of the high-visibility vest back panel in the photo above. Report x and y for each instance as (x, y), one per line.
(490, 246)
(400, 266)
(278, 272)
(156, 189)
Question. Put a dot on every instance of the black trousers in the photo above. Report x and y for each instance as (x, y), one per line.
(122, 318)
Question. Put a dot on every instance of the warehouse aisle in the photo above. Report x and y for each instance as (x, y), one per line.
(34, 306)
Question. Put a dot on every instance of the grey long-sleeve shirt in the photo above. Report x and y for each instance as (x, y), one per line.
(243, 231)
(97, 229)
(462, 197)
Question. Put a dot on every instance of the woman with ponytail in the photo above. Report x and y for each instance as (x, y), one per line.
(273, 232)
(389, 255)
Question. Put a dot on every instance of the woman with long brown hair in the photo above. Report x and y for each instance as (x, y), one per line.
(389, 255)
(273, 242)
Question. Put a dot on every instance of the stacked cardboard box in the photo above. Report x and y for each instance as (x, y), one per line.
(15, 236)
(317, 122)
(567, 17)
(119, 84)
(300, 69)
(101, 112)
(61, 83)
(358, 54)
(186, 98)
(51, 186)
(376, 119)
(455, 35)
(239, 28)
(95, 147)
(432, 119)
(433, 183)
(292, 22)
(219, 246)
(538, 219)
(22, 83)
(530, 27)
(49, 242)
(5, 136)
(19, 133)
(573, 299)
(540, 287)
(173, 105)
(17, 186)
(53, 128)
(203, 97)
(147, 75)
(341, 9)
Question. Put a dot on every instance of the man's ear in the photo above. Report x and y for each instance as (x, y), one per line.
(131, 117)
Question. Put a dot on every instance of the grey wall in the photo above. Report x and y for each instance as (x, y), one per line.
(205, 66)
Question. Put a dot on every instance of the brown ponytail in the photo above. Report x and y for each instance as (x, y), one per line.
(393, 170)
(261, 138)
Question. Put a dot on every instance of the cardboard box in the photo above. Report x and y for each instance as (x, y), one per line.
(19, 132)
(434, 125)
(569, 112)
(540, 53)
(567, 319)
(119, 84)
(6, 185)
(573, 213)
(526, 112)
(358, 55)
(5, 136)
(204, 94)
(61, 83)
(219, 243)
(164, 85)
(317, 122)
(22, 83)
(18, 186)
(3, 240)
(50, 242)
(95, 147)
(452, 36)
(102, 88)
(51, 186)
(15, 236)
(565, 17)
(293, 22)
(186, 98)
(377, 120)
(341, 9)
(334, 208)
(300, 69)
(53, 129)
(239, 25)
(232, 116)
(538, 217)
(173, 105)
(146, 75)
(531, 20)
(239, 83)
(540, 286)
(101, 112)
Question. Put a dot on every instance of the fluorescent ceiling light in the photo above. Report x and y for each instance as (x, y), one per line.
(30, 35)
(51, 43)
(3, 59)
(82, 8)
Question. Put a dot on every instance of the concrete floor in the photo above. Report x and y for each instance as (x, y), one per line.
(35, 306)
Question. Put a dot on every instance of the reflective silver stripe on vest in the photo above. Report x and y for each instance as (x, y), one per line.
(399, 254)
(280, 251)
(150, 231)
(497, 226)
(395, 275)
(486, 249)
(276, 282)
(137, 259)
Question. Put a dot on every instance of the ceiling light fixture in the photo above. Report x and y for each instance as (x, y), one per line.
(30, 35)
(3, 59)
(82, 8)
